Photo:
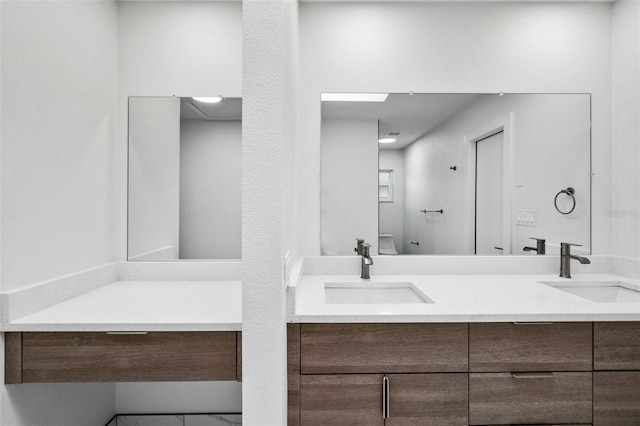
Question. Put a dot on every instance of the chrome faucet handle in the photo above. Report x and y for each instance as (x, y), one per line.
(360, 242)
(365, 249)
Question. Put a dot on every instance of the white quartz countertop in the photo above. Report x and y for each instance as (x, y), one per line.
(465, 298)
(143, 306)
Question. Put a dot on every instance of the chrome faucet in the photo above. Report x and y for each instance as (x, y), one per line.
(366, 261)
(358, 249)
(565, 259)
(540, 247)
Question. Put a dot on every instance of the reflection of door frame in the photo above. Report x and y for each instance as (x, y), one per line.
(501, 124)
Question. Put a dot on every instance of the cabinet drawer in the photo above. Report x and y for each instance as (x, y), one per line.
(428, 399)
(529, 398)
(354, 400)
(506, 347)
(383, 348)
(102, 357)
(616, 346)
(616, 398)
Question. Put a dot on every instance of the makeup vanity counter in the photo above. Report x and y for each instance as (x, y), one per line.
(131, 331)
(143, 305)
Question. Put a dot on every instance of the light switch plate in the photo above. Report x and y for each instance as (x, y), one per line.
(287, 261)
(527, 217)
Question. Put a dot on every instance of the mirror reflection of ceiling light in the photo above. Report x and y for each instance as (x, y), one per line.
(354, 97)
(387, 140)
(208, 99)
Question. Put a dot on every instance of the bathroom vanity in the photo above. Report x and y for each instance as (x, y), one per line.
(465, 373)
(472, 350)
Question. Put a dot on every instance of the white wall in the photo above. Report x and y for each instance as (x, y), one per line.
(349, 185)
(58, 82)
(391, 214)
(173, 397)
(454, 47)
(625, 210)
(154, 177)
(166, 48)
(58, 127)
(210, 189)
(550, 142)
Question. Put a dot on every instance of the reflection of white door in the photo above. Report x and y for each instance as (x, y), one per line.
(488, 223)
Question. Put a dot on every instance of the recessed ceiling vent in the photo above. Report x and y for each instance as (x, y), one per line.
(392, 134)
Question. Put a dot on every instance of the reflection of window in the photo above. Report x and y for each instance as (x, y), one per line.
(385, 186)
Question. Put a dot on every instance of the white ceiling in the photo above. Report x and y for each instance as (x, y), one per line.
(412, 115)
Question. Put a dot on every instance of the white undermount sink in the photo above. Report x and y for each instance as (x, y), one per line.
(373, 293)
(600, 291)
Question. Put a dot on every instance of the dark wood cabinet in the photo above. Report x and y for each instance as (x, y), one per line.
(34, 357)
(383, 348)
(507, 347)
(616, 377)
(616, 346)
(570, 374)
(379, 374)
(428, 399)
(530, 398)
(616, 398)
(341, 399)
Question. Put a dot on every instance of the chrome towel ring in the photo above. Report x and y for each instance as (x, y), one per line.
(569, 191)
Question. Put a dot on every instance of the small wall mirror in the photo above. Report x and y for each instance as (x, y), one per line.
(455, 174)
(185, 158)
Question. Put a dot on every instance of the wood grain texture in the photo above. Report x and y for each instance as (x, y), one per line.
(506, 347)
(12, 358)
(383, 348)
(428, 399)
(616, 398)
(616, 346)
(100, 357)
(239, 356)
(499, 398)
(331, 400)
(293, 374)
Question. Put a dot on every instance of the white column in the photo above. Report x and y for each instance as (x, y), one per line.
(268, 126)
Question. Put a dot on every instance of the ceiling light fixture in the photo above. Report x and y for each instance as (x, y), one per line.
(387, 140)
(208, 99)
(354, 97)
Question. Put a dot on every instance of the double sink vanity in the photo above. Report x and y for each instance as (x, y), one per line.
(479, 349)
(417, 343)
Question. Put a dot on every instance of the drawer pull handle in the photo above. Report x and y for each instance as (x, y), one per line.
(532, 323)
(116, 333)
(385, 397)
(541, 375)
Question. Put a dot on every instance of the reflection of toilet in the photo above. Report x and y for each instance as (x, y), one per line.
(386, 245)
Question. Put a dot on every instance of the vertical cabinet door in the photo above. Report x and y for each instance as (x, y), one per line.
(428, 399)
(616, 398)
(341, 399)
(616, 346)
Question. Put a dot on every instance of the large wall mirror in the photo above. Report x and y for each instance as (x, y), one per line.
(454, 174)
(185, 158)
